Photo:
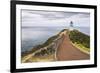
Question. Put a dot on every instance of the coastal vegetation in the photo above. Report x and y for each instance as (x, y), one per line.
(80, 40)
(46, 51)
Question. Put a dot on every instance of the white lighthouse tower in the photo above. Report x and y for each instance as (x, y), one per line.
(71, 27)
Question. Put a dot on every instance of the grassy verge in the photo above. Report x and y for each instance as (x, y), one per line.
(82, 48)
(46, 58)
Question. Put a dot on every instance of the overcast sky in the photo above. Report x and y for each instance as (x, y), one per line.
(51, 18)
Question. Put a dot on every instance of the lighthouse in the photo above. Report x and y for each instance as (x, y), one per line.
(71, 27)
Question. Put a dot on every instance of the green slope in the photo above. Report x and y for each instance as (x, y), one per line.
(80, 39)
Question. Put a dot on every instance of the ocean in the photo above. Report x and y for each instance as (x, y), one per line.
(32, 36)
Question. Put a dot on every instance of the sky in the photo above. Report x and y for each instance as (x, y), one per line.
(32, 18)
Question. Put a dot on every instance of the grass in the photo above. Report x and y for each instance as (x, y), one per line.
(80, 40)
(45, 58)
(82, 48)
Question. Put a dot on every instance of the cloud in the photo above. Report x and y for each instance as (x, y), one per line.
(52, 18)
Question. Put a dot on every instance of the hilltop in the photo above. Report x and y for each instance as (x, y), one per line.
(57, 47)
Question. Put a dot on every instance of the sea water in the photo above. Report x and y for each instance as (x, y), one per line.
(32, 36)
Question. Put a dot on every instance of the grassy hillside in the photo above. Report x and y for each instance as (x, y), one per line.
(44, 52)
(47, 50)
(80, 39)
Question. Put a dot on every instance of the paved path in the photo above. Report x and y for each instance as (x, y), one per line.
(66, 51)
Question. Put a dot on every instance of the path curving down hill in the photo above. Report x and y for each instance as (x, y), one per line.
(66, 51)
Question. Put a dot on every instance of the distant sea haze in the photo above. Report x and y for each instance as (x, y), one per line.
(32, 36)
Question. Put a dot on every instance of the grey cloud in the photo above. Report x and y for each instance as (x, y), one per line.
(44, 17)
